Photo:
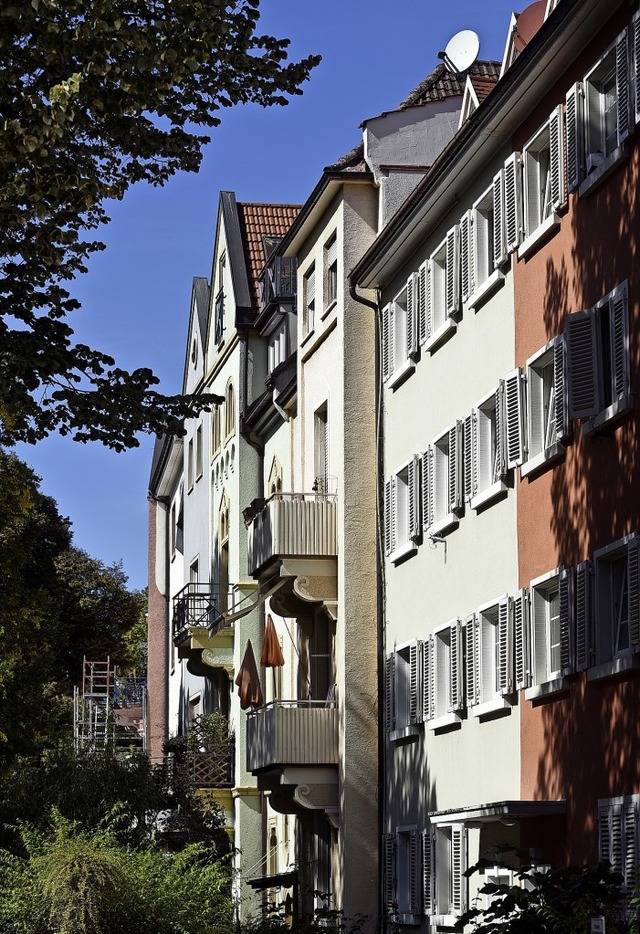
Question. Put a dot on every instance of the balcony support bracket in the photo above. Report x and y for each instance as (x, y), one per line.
(314, 580)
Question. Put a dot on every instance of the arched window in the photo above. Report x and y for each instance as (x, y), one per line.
(229, 410)
(216, 434)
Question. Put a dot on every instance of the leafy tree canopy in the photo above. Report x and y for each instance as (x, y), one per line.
(96, 95)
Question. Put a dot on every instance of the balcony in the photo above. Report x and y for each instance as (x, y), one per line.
(292, 733)
(212, 768)
(199, 606)
(279, 281)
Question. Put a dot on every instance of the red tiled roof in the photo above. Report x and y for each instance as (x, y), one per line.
(258, 221)
(482, 86)
(441, 83)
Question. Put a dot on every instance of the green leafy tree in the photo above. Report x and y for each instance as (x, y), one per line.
(97, 95)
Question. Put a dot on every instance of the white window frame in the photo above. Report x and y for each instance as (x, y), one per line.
(547, 418)
(190, 444)
(544, 149)
(442, 482)
(309, 290)
(613, 63)
(483, 274)
(400, 333)
(546, 680)
(489, 657)
(442, 291)
(442, 676)
(444, 863)
(608, 658)
(199, 456)
(402, 511)
(403, 690)
(488, 463)
(330, 263)
(278, 349)
(619, 837)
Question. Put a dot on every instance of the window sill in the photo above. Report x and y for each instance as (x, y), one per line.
(536, 237)
(404, 551)
(556, 686)
(491, 706)
(405, 734)
(403, 372)
(402, 918)
(591, 182)
(546, 458)
(488, 287)
(329, 309)
(440, 335)
(616, 667)
(608, 416)
(308, 337)
(447, 524)
(489, 495)
(444, 921)
(447, 719)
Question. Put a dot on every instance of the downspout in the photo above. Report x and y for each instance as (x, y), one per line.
(381, 588)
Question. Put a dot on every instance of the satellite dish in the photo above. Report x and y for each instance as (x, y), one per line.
(461, 51)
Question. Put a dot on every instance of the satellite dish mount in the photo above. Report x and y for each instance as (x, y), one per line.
(461, 51)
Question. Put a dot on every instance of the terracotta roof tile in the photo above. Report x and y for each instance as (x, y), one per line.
(441, 83)
(258, 221)
(482, 86)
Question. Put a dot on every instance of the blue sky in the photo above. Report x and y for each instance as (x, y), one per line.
(135, 296)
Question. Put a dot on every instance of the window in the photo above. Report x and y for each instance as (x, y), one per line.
(441, 291)
(616, 601)
(216, 434)
(479, 236)
(309, 301)
(547, 421)
(606, 93)
(278, 349)
(177, 525)
(485, 465)
(551, 636)
(198, 452)
(441, 486)
(402, 694)
(619, 837)
(321, 450)
(399, 334)
(331, 272)
(401, 511)
(444, 862)
(402, 859)
(219, 317)
(598, 366)
(229, 410)
(442, 696)
(489, 647)
(190, 465)
(543, 160)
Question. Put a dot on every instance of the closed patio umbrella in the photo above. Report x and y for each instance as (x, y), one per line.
(248, 681)
(271, 655)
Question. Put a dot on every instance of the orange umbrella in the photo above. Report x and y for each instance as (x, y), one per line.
(271, 655)
(248, 681)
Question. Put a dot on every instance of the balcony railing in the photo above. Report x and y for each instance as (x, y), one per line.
(301, 733)
(212, 768)
(293, 524)
(199, 606)
(279, 280)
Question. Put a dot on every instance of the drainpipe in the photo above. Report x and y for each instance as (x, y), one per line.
(381, 613)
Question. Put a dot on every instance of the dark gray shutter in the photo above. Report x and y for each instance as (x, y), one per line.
(574, 136)
(619, 330)
(390, 693)
(583, 616)
(561, 416)
(565, 599)
(622, 87)
(633, 587)
(583, 363)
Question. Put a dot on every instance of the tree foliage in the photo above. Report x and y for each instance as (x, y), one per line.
(97, 95)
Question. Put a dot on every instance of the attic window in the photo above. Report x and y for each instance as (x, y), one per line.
(194, 351)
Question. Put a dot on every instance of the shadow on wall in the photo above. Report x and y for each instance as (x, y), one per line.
(410, 789)
(592, 735)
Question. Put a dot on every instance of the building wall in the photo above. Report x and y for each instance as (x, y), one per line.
(157, 636)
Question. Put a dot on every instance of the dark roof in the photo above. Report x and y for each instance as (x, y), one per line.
(200, 290)
(441, 83)
(257, 222)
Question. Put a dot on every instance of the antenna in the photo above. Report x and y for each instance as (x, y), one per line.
(461, 51)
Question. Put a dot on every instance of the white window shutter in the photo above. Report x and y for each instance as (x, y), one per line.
(414, 697)
(422, 302)
(466, 256)
(453, 481)
(428, 694)
(390, 693)
(386, 346)
(514, 410)
(388, 517)
(456, 701)
(471, 662)
(469, 454)
(500, 432)
(427, 488)
(583, 364)
(604, 834)
(635, 40)
(565, 599)
(561, 415)
(452, 272)
(513, 201)
(428, 871)
(522, 653)
(458, 867)
(505, 675)
(414, 499)
(556, 157)
(429, 300)
(619, 324)
(633, 588)
(583, 616)
(539, 634)
(499, 247)
(622, 87)
(574, 136)
(615, 838)
(415, 846)
(412, 315)
(631, 855)
(389, 851)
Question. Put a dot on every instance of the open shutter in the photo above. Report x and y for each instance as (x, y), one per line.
(388, 516)
(414, 499)
(454, 486)
(427, 488)
(499, 249)
(631, 854)
(471, 662)
(635, 40)
(622, 87)
(505, 675)
(414, 698)
(429, 300)
(415, 846)
(539, 633)
(520, 609)
(428, 871)
(500, 451)
(456, 701)
(633, 589)
(412, 316)
(604, 834)
(458, 866)
(561, 415)
(422, 302)
(514, 409)
(390, 693)
(574, 136)
(565, 600)
(466, 256)
(583, 365)
(513, 201)
(452, 272)
(386, 345)
(389, 887)
(556, 158)
(469, 455)
(583, 616)
(615, 838)
(427, 679)
(619, 325)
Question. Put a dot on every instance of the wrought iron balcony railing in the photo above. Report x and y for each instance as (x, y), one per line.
(199, 606)
(279, 280)
(293, 524)
(294, 733)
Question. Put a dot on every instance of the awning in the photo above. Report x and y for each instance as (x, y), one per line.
(498, 810)
(260, 883)
(229, 618)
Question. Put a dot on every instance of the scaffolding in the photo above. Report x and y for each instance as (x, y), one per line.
(109, 709)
